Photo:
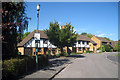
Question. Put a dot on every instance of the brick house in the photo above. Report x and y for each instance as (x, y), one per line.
(27, 45)
(100, 41)
(84, 44)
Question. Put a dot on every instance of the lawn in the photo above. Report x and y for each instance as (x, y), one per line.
(75, 53)
(117, 55)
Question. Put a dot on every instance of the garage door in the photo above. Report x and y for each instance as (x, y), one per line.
(28, 51)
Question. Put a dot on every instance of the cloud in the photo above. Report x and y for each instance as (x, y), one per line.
(80, 30)
(105, 35)
(101, 35)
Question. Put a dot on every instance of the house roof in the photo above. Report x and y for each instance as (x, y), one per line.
(43, 35)
(102, 39)
(83, 37)
(31, 35)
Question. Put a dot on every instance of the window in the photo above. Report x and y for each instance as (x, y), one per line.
(110, 43)
(79, 49)
(87, 42)
(83, 42)
(44, 41)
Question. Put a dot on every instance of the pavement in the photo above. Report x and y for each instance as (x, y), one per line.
(91, 66)
(55, 66)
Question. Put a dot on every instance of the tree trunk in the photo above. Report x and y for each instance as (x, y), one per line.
(68, 50)
(61, 49)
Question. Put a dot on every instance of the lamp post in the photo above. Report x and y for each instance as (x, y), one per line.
(37, 41)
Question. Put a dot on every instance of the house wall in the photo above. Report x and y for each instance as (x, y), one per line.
(96, 40)
(83, 45)
(77, 50)
(41, 44)
(21, 50)
(93, 48)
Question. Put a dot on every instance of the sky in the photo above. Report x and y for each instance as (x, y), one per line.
(97, 18)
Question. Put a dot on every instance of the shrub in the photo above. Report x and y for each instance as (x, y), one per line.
(75, 53)
(15, 67)
(64, 54)
(102, 47)
(89, 52)
(108, 47)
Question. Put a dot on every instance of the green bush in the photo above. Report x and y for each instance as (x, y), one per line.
(102, 47)
(57, 55)
(108, 47)
(15, 67)
(64, 54)
(75, 53)
(89, 52)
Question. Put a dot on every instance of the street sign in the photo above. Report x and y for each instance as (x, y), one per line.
(37, 36)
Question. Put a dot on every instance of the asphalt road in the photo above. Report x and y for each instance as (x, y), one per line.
(91, 66)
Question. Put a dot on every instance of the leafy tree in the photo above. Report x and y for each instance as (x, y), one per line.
(61, 36)
(22, 36)
(102, 47)
(117, 47)
(14, 20)
(107, 38)
(70, 36)
(25, 35)
(89, 35)
(84, 33)
(108, 47)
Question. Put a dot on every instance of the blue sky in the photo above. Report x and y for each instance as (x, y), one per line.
(98, 18)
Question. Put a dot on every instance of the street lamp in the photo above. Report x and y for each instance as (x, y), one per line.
(38, 8)
(37, 40)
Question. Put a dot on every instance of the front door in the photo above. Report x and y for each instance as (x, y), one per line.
(83, 49)
(28, 51)
(45, 50)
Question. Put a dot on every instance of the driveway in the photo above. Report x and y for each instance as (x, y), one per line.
(95, 65)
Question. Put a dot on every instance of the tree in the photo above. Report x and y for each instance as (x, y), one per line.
(89, 35)
(107, 38)
(22, 36)
(61, 36)
(84, 33)
(108, 47)
(25, 35)
(14, 20)
(102, 47)
(70, 36)
(117, 47)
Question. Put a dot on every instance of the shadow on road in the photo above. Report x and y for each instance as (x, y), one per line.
(76, 56)
(61, 61)
(57, 63)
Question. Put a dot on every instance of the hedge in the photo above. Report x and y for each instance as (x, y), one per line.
(89, 52)
(18, 66)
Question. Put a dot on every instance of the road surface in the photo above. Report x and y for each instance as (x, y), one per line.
(91, 66)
